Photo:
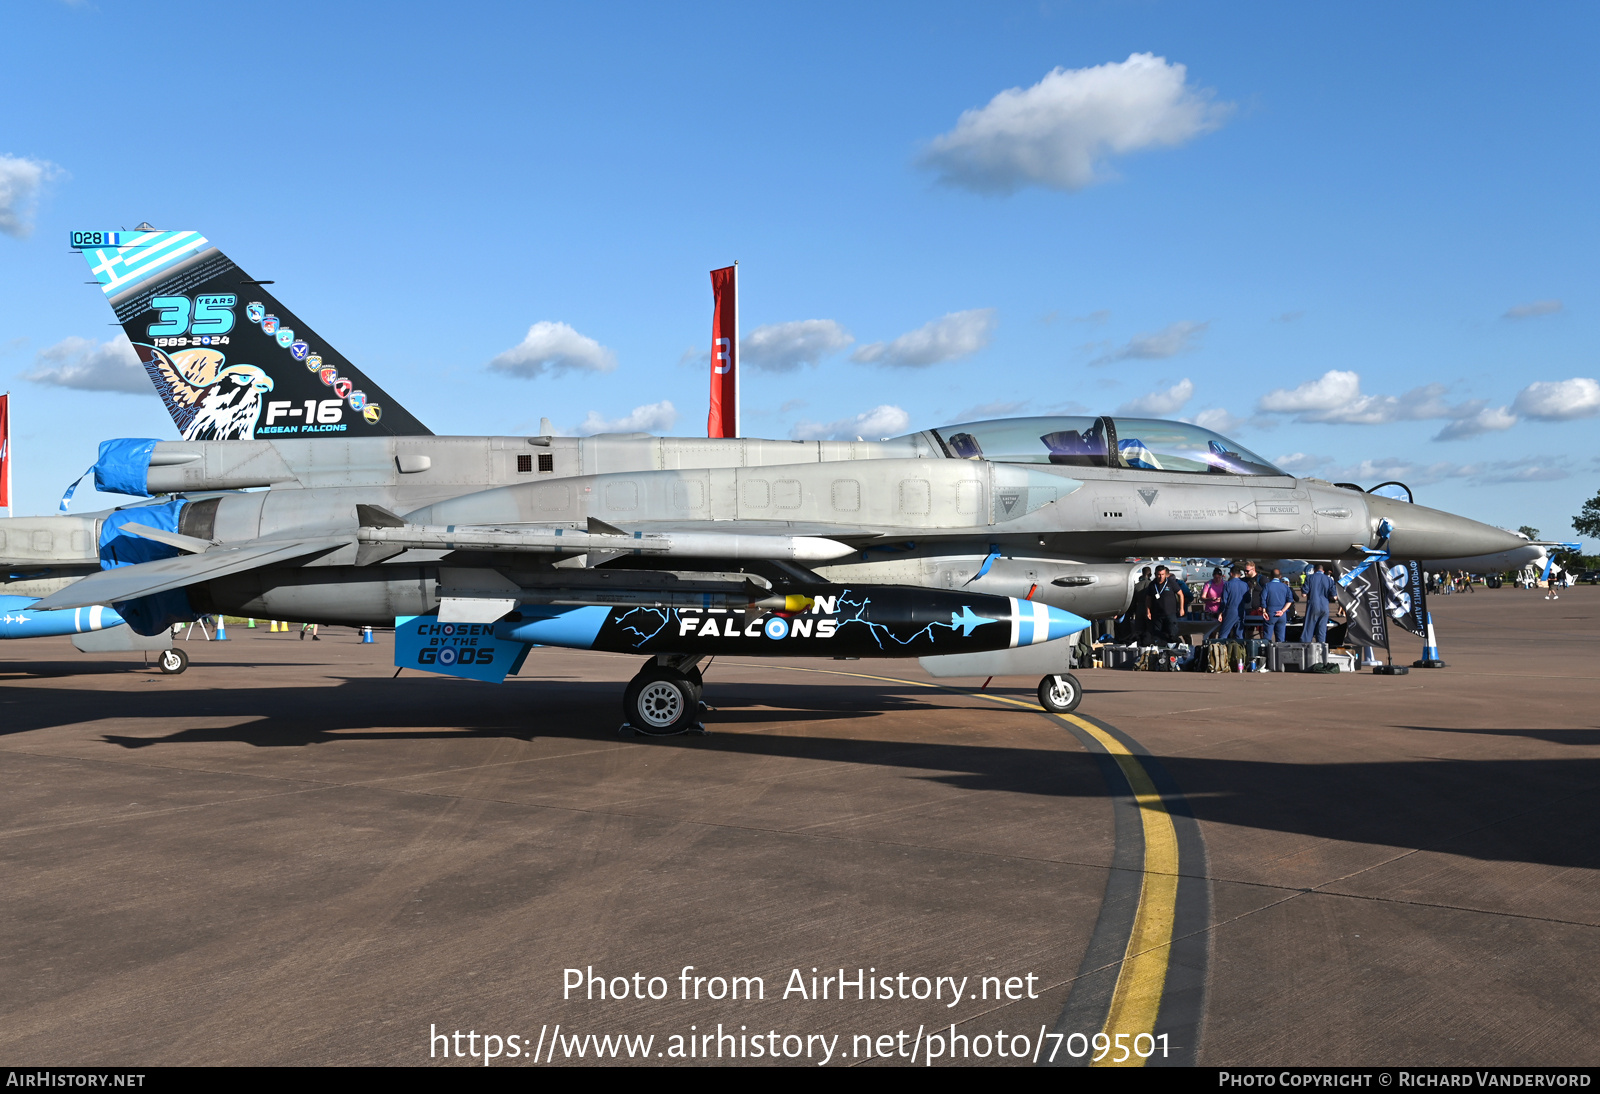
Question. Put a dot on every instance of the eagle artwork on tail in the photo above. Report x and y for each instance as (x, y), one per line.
(209, 399)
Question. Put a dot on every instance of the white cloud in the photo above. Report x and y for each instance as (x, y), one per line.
(654, 418)
(1485, 420)
(1297, 463)
(1532, 469)
(1559, 400)
(880, 421)
(1330, 393)
(1218, 420)
(1162, 403)
(1059, 132)
(1533, 310)
(1169, 341)
(88, 365)
(1525, 469)
(554, 347)
(21, 180)
(784, 347)
(959, 334)
(1336, 397)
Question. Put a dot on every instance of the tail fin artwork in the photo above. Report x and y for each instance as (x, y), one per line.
(229, 361)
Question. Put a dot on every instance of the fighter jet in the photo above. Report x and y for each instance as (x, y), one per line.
(41, 555)
(983, 540)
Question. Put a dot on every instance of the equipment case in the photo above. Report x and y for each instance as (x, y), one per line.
(1295, 656)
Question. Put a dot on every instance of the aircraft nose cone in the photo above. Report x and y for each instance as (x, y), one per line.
(1422, 533)
(1037, 622)
(1063, 623)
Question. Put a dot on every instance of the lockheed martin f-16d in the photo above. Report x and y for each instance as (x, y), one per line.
(957, 542)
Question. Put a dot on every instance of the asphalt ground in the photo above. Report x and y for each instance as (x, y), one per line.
(284, 856)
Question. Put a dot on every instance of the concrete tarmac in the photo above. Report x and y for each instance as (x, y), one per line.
(284, 856)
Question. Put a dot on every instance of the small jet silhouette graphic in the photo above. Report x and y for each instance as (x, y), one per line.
(967, 620)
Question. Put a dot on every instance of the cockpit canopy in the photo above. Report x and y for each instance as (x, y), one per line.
(1141, 444)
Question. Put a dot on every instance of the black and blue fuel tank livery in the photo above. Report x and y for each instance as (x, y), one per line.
(228, 360)
(835, 621)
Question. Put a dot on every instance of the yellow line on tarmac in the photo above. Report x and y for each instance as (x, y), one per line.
(1137, 998)
(1136, 1001)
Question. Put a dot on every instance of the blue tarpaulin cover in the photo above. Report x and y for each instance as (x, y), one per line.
(148, 615)
(124, 465)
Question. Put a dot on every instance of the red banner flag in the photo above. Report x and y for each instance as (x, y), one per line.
(5, 451)
(723, 420)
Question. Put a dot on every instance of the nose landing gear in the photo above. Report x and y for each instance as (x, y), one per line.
(1061, 693)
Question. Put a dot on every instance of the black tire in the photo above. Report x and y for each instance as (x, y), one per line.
(1061, 693)
(651, 668)
(660, 703)
(172, 661)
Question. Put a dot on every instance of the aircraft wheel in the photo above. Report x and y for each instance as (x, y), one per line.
(1060, 694)
(651, 668)
(172, 661)
(660, 703)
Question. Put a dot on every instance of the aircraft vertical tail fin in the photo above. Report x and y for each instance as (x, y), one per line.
(228, 360)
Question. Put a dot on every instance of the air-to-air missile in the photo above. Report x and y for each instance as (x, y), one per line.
(369, 519)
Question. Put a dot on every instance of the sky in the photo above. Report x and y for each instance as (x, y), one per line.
(1360, 239)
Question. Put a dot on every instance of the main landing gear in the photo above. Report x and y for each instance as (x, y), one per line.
(664, 698)
(172, 661)
(1060, 694)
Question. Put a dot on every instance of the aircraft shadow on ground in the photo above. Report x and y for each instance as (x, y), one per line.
(48, 669)
(1525, 810)
(1553, 736)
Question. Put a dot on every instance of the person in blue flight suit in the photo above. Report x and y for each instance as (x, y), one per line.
(1319, 594)
(1276, 596)
(1235, 599)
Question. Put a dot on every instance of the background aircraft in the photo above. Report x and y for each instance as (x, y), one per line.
(40, 555)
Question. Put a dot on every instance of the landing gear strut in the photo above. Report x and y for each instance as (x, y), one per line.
(664, 698)
(1060, 694)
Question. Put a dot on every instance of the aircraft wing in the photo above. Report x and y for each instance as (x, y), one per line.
(149, 578)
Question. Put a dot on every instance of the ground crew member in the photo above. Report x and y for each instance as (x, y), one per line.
(1276, 596)
(1319, 593)
(1165, 601)
(1235, 598)
(1256, 581)
(1136, 610)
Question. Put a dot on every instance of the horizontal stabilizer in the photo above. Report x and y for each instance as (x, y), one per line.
(149, 578)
